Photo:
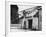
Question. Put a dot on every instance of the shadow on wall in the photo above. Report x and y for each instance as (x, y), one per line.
(14, 14)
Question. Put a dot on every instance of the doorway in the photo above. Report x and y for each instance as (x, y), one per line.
(30, 24)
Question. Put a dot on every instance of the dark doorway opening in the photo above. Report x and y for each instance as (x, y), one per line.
(30, 24)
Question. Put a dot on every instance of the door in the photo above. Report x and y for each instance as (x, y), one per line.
(30, 24)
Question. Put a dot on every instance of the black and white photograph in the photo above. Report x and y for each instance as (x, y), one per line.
(22, 18)
(25, 18)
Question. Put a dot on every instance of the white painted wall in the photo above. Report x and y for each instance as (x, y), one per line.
(35, 23)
